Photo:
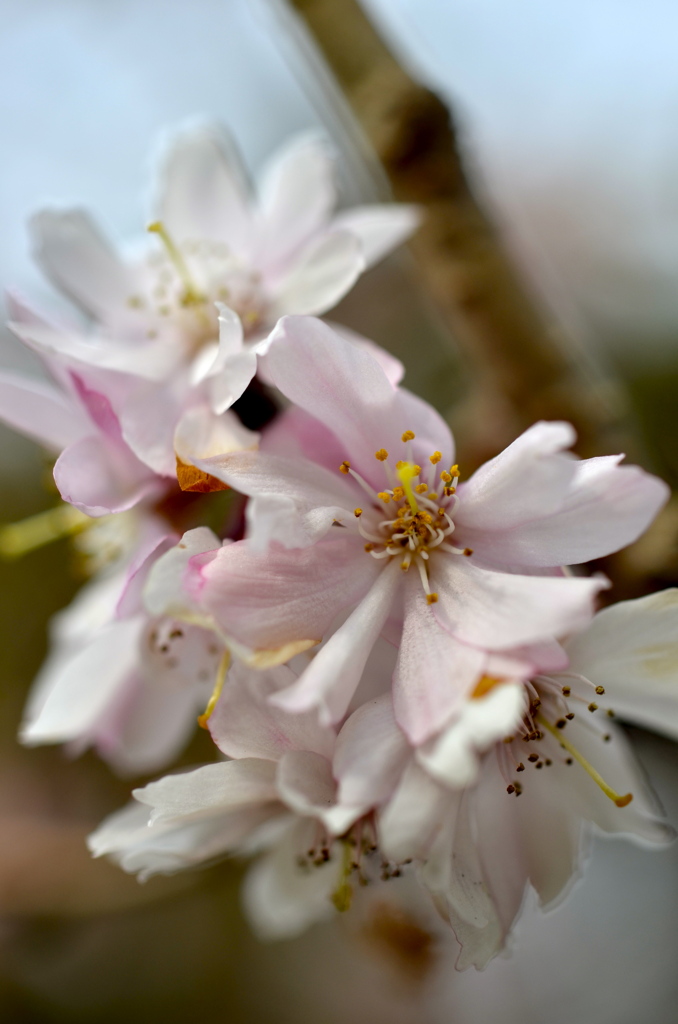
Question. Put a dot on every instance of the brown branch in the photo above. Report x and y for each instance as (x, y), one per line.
(522, 371)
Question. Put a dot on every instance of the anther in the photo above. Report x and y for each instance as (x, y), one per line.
(533, 757)
(520, 767)
(431, 598)
(566, 691)
(344, 467)
(600, 690)
(568, 760)
(607, 737)
(381, 455)
(539, 764)
(421, 488)
(384, 496)
(409, 435)
(561, 723)
(468, 551)
(357, 512)
(570, 716)
(370, 547)
(454, 470)
(435, 458)
(446, 477)
(610, 713)
(510, 789)
(593, 706)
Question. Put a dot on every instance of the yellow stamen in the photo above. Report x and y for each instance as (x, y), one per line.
(398, 494)
(406, 473)
(343, 894)
(431, 598)
(445, 477)
(357, 512)
(191, 296)
(421, 488)
(216, 692)
(620, 801)
(384, 496)
(17, 539)
(344, 467)
(454, 470)
(381, 455)
(435, 458)
(409, 435)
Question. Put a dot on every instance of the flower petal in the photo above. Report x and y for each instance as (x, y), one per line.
(411, 819)
(332, 678)
(203, 188)
(371, 754)
(435, 672)
(325, 270)
(77, 257)
(40, 411)
(380, 228)
(269, 602)
(83, 685)
(163, 591)
(498, 610)
(212, 789)
(98, 479)
(631, 648)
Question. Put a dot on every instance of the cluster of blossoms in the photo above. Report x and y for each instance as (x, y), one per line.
(401, 678)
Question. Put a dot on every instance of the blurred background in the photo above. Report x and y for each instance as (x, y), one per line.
(567, 118)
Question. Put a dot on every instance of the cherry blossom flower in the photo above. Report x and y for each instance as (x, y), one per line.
(355, 504)
(187, 316)
(276, 797)
(125, 679)
(500, 800)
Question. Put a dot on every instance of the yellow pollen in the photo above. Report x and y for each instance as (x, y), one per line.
(432, 495)
(216, 692)
(17, 539)
(400, 464)
(409, 435)
(468, 551)
(620, 801)
(431, 598)
(370, 547)
(344, 467)
(381, 455)
(406, 473)
(421, 488)
(435, 458)
(398, 494)
(445, 477)
(191, 296)
(484, 685)
(357, 512)
(454, 470)
(385, 496)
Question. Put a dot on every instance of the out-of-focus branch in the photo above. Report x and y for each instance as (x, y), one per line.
(523, 371)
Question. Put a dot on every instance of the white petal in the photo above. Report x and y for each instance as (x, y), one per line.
(631, 648)
(411, 819)
(210, 790)
(282, 899)
(201, 434)
(325, 270)
(297, 196)
(380, 228)
(370, 755)
(76, 256)
(203, 188)
(163, 592)
(305, 782)
(99, 477)
(85, 685)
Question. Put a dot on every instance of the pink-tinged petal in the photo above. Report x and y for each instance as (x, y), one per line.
(166, 848)
(213, 789)
(409, 822)
(631, 648)
(497, 610)
(370, 755)
(524, 662)
(163, 590)
(305, 782)
(339, 384)
(148, 416)
(435, 672)
(295, 501)
(333, 676)
(95, 477)
(41, 412)
(392, 367)
(149, 550)
(83, 685)
(325, 270)
(276, 602)
(529, 480)
(245, 724)
(380, 228)
(453, 757)
(80, 261)
(296, 197)
(282, 899)
(203, 189)
(294, 434)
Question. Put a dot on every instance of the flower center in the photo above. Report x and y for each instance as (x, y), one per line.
(421, 504)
